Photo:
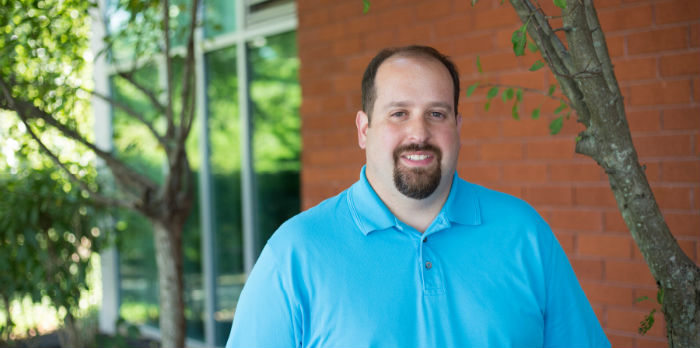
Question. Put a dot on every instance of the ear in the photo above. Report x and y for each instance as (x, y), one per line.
(362, 123)
(458, 117)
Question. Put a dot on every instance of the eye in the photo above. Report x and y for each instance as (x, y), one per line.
(437, 114)
(398, 114)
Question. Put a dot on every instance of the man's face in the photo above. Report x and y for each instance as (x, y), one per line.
(412, 141)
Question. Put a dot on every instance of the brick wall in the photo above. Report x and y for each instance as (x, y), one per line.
(655, 49)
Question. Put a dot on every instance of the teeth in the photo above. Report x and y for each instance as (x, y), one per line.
(417, 157)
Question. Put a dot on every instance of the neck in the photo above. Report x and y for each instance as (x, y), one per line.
(417, 213)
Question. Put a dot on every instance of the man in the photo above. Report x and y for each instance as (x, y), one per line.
(411, 255)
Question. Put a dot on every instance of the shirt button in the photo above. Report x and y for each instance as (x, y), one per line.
(428, 265)
(425, 239)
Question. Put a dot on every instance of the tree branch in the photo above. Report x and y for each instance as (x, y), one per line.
(168, 71)
(131, 112)
(27, 110)
(128, 76)
(530, 90)
(188, 102)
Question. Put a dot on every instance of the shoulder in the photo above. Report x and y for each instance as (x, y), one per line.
(501, 206)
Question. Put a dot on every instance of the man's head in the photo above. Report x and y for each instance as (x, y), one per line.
(412, 142)
(369, 91)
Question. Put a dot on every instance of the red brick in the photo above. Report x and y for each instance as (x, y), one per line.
(616, 246)
(359, 25)
(628, 319)
(480, 173)
(516, 191)
(657, 40)
(594, 196)
(547, 195)
(652, 170)
(664, 92)
(501, 151)
(525, 172)
(684, 224)
(576, 220)
(346, 46)
(682, 118)
(468, 153)
(607, 3)
(635, 69)
(575, 172)
(664, 145)
(613, 222)
(616, 45)
(472, 129)
(498, 17)
(649, 341)
(456, 25)
(346, 82)
(650, 293)
(696, 89)
(498, 61)
(415, 34)
(432, 10)
(566, 240)
(681, 171)
(552, 149)
(523, 128)
(380, 39)
(673, 197)
(680, 64)
(608, 294)
(587, 269)
(677, 11)
(696, 198)
(625, 18)
(317, 140)
(643, 121)
(619, 340)
(631, 272)
(472, 44)
(694, 35)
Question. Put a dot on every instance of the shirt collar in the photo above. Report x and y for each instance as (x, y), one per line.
(371, 214)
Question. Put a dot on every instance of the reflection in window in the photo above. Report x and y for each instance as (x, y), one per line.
(275, 97)
(219, 17)
(225, 161)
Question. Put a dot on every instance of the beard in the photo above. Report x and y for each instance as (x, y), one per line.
(417, 183)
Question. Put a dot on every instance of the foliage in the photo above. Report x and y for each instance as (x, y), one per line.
(48, 231)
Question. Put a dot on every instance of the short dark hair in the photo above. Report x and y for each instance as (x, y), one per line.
(369, 92)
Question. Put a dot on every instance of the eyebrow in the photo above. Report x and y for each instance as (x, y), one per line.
(403, 104)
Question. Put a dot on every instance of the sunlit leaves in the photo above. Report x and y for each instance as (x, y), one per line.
(556, 125)
(478, 65)
(560, 3)
(472, 88)
(365, 6)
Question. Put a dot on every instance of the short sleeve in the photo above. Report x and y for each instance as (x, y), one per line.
(569, 318)
(265, 314)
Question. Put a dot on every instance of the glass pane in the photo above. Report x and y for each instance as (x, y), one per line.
(219, 17)
(224, 138)
(275, 98)
(132, 33)
(135, 145)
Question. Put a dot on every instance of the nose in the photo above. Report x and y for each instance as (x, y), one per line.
(418, 130)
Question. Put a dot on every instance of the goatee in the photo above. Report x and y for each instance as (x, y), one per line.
(417, 183)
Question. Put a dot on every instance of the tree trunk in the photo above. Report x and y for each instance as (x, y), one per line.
(586, 75)
(168, 244)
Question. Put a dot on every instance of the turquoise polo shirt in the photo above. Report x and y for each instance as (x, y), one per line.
(488, 272)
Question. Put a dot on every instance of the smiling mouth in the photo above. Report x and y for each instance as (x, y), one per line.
(417, 157)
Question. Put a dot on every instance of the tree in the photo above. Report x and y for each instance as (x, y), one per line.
(42, 57)
(583, 69)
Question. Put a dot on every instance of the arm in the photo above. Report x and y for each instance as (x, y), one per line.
(266, 314)
(569, 318)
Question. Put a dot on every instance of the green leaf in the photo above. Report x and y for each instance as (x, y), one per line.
(519, 40)
(487, 106)
(560, 3)
(514, 111)
(492, 92)
(555, 125)
(474, 2)
(536, 114)
(507, 94)
(561, 107)
(472, 88)
(551, 90)
(365, 6)
(640, 299)
(519, 95)
(478, 65)
(646, 324)
(660, 296)
(532, 46)
(536, 65)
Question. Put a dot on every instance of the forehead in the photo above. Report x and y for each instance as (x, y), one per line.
(414, 79)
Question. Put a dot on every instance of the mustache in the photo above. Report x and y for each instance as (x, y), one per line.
(417, 147)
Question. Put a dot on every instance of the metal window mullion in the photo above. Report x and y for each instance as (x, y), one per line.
(206, 206)
(247, 171)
